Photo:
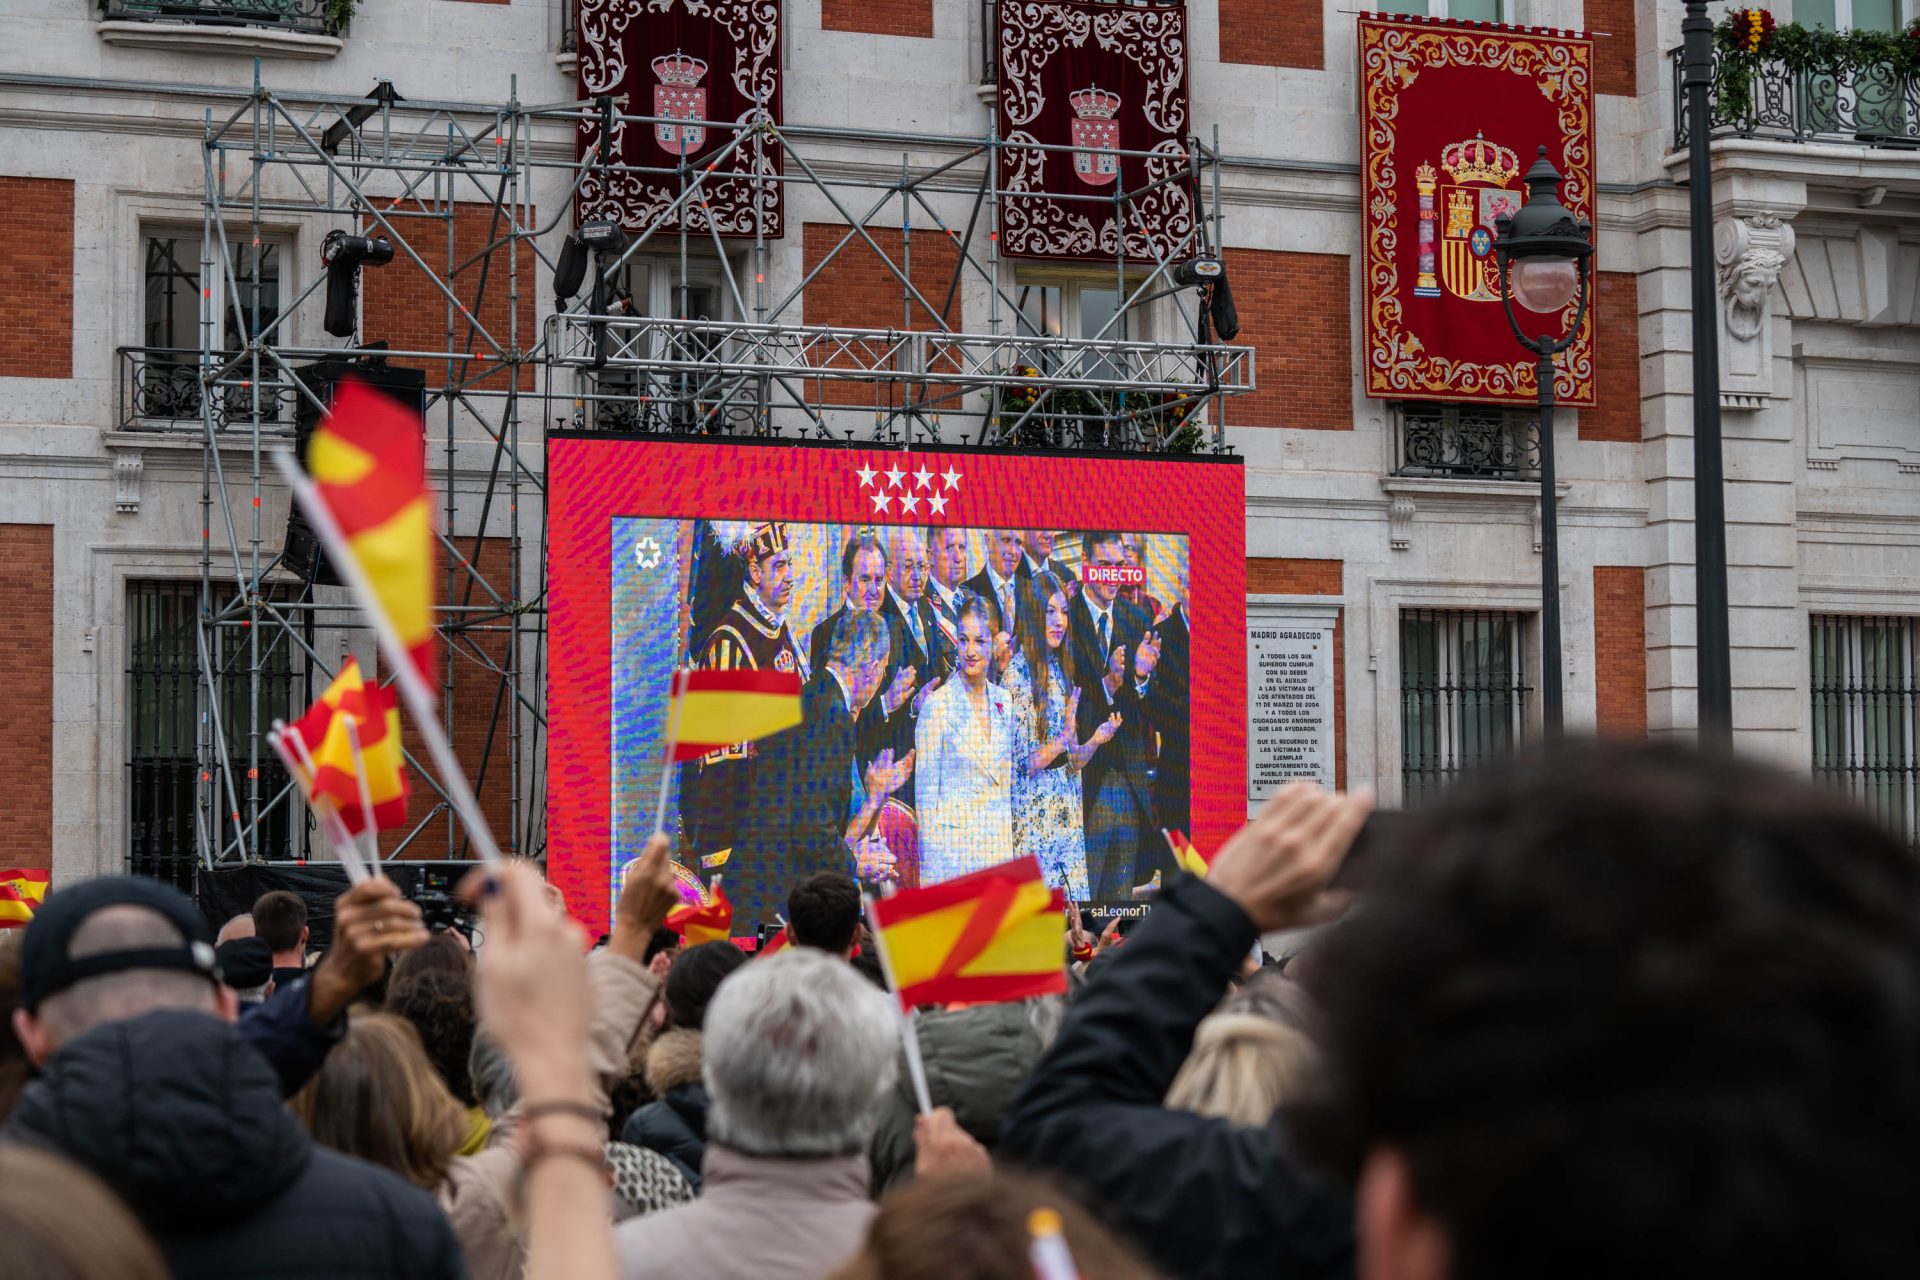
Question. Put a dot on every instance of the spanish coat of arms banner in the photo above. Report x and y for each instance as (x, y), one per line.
(1095, 80)
(1451, 116)
(705, 67)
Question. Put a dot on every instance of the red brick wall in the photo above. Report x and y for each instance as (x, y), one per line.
(880, 17)
(477, 690)
(1620, 650)
(1273, 33)
(1296, 312)
(26, 655)
(1616, 322)
(858, 290)
(405, 307)
(1295, 577)
(36, 279)
(1613, 60)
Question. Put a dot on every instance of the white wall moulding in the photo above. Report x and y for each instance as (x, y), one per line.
(193, 37)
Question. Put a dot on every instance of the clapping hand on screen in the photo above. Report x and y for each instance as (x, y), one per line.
(1146, 656)
(1002, 650)
(1079, 941)
(887, 775)
(1116, 671)
(873, 860)
(920, 698)
(1104, 731)
(901, 689)
(1065, 740)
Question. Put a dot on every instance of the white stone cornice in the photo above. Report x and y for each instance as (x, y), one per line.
(202, 37)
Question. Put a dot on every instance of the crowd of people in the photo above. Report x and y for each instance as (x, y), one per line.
(952, 719)
(1601, 1010)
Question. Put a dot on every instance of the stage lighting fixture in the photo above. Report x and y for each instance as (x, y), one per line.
(1220, 308)
(1201, 270)
(344, 255)
(603, 236)
(570, 272)
(356, 115)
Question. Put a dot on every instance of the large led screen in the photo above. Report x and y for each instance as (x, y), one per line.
(999, 654)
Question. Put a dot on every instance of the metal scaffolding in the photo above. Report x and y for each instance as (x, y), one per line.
(409, 172)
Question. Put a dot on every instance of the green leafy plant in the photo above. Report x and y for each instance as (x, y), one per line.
(1170, 416)
(339, 13)
(1745, 38)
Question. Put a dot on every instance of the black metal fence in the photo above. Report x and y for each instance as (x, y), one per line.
(158, 389)
(1874, 105)
(1863, 712)
(1463, 693)
(311, 17)
(1467, 441)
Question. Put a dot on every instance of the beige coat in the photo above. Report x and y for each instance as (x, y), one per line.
(480, 1191)
(757, 1216)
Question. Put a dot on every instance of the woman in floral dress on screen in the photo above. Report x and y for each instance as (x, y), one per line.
(1047, 756)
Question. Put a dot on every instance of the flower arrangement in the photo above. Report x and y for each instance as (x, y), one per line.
(1169, 413)
(1745, 36)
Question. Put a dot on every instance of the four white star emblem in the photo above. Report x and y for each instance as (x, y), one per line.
(895, 478)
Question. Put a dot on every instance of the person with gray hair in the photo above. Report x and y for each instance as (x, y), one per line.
(800, 1051)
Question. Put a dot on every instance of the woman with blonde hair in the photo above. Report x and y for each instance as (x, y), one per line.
(57, 1222)
(1250, 1056)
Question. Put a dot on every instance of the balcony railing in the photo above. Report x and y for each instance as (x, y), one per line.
(311, 17)
(159, 391)
(1465, 442)
(1873, 105)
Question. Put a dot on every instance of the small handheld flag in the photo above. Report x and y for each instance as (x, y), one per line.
(994, 935)
(707, 922)
(374, 713)
(1189, 858)
(720, 708)
(21, 893)
(1047, 1250)
(778, 942)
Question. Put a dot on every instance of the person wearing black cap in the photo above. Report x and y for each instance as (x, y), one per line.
(146, 1081)
(246, 967)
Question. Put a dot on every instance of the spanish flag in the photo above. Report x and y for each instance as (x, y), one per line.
(997, 934)
(323, 730)
(703, 922)
(778, 942)
(21, 893)
(1189, 858)
(368, 460)
(716, 709)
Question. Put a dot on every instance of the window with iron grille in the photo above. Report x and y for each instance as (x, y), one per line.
(1863, 713)
(1463, 693)
(166, 791)
(165, 382)
(1466, 440)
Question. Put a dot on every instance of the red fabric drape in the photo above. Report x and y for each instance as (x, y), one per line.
(706, 60)
(1094, 77)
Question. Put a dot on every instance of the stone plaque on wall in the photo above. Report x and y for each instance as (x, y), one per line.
(1289, 701)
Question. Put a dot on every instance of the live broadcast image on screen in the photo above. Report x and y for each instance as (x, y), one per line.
(968, 696)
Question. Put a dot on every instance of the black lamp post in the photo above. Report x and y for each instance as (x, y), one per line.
(1543, 252)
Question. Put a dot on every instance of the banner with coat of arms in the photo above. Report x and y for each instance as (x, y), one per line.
(705, 67)
(1451, 116)
(1093, 79)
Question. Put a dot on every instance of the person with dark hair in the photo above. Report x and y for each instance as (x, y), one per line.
(246, 967)
(280, 920)
(994, 584)
(865, 566)
(823, 912)
(1614, 1003)
(675, 1124)
(753, 634)
(1115, 650)
(964, 754)
(1048, 753)
(145, 1081)
(432, 988)
(980, 1227)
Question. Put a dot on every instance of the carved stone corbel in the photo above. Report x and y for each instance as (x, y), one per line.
(1749, 254)
(128, 467)
(1400, 523)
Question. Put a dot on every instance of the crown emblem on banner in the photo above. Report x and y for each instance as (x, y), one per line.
(1478, 160)
(1426, 178)
(1094, 103)
(679, 68)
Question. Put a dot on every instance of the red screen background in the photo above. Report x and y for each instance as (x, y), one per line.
(592, 480)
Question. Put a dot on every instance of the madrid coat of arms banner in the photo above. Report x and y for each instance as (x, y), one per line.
(1451, 116)
(703, 68)
(1096, 81)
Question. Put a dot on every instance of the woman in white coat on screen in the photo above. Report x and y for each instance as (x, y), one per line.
(963, 769)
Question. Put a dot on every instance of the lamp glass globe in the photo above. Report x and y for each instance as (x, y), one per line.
(1545, 285)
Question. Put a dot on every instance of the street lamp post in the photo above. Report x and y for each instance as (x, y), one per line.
(1543, 253)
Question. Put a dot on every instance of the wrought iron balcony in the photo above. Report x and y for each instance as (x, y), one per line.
(1874, 105)
(159, 391)
(1464, 441)
(311, 17)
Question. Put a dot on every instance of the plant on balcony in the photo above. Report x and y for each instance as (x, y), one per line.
(1745, 38)
(339, 13)
(1170, 414)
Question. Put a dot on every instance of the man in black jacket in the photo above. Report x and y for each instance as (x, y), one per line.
(1204, 1197)
(146, 1081)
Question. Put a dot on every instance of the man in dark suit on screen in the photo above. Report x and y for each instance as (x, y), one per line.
(924, 649)
(863, 568)
(998, 582)
(1116, 653)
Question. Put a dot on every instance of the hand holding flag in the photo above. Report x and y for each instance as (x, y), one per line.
(1185, 855)
(21, 893)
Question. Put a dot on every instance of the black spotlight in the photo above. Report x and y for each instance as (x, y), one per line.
(569, 273)
(344, 255)
(1201, 270)
(1225, 316)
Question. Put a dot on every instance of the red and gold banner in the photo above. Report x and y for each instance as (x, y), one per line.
(1094, 79)
(1451, 116)
(693, 64)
